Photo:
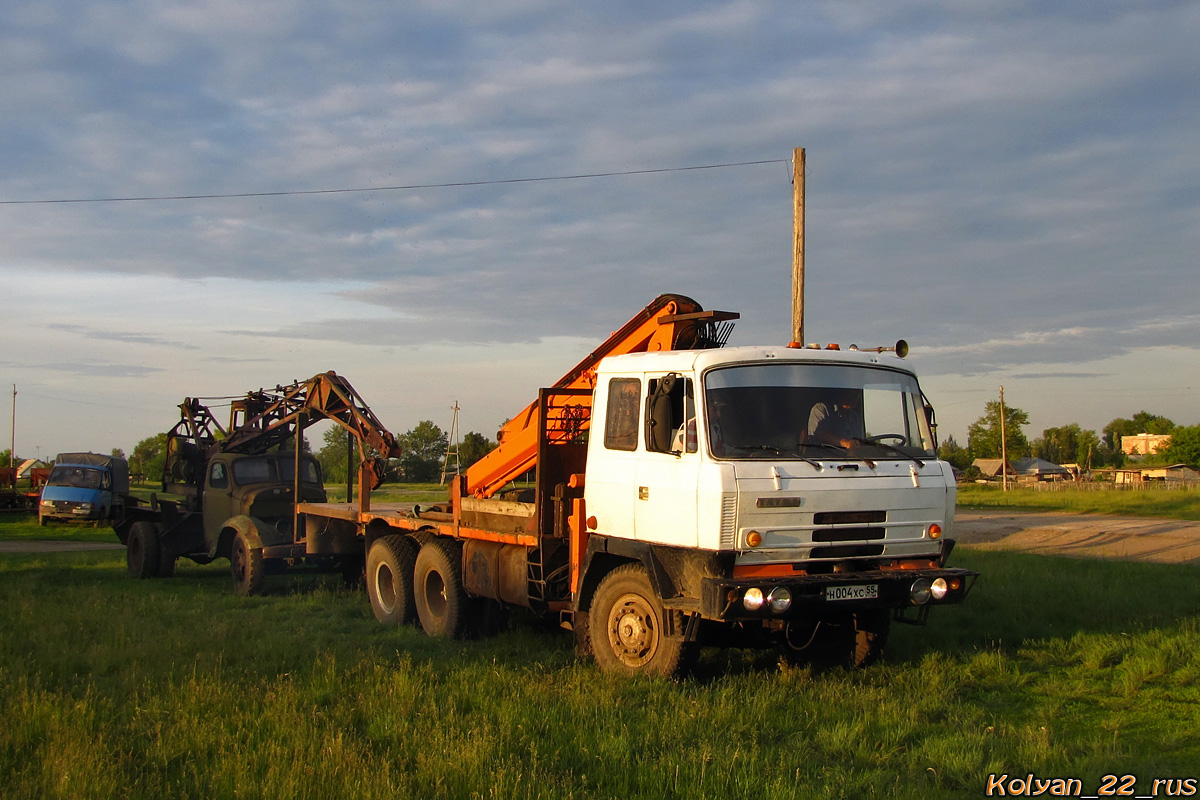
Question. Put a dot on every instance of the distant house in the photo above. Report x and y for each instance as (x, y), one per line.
(1125, 477)
(991, 468)
(1174, 475)
(1144, 444)
(1041, 470)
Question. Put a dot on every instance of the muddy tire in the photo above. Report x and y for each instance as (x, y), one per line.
(142, 551)
(246, 567)
(442, 604)
(627, 631)
(391, 563)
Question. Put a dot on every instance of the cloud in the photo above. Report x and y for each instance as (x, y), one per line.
(99, 370)
(1033, 376)
(116, 336)
(999, 184)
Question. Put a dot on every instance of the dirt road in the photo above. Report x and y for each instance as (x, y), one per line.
(1166, 541)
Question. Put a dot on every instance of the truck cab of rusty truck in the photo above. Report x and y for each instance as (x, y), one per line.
(84, 486)
(254, 494)
(809, 478)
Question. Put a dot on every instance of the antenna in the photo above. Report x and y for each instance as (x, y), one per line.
(452, 446)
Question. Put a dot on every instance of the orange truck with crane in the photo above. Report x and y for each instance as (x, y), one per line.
(684, 494)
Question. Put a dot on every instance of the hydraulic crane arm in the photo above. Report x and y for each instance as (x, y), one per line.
(263, 419)
(670, 322)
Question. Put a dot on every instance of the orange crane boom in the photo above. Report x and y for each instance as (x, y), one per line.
(670, 322)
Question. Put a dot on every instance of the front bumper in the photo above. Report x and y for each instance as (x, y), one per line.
(819, 595)
(68, 509)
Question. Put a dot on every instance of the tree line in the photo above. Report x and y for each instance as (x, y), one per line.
(423, 450)
(1069, 444)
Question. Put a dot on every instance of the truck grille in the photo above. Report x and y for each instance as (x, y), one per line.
(847, 551)
(848, 534)
(849, 517)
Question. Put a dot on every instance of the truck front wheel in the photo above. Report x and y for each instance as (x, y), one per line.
(626, 626)
(142, 556)
(391, 562)
(442, 604)
(247, 568)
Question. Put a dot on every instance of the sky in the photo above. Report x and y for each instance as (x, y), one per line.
(1012, 187)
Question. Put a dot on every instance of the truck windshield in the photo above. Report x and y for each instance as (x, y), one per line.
(269, 469)
(79, 477)
(788, 410)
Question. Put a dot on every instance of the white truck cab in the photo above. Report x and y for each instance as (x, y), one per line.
(741, 449)
(777, 488)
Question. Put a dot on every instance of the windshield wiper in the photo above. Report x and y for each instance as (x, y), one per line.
(769, 448)
(826, 446)
(838, 448)
(766, 447)
(892, 448)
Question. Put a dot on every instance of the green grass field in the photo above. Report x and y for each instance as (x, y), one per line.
(111, 687)
(1173, 503)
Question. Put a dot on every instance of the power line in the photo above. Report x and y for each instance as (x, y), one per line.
(401, 188)
(77, 401)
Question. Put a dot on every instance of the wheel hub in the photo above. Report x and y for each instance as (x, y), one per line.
(631, 631)
(385, 588)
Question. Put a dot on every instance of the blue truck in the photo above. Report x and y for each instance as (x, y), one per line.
(86, 487)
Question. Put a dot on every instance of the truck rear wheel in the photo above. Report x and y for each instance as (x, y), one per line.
(627, 632)
(142, 551)
(391, 563)
(442, 603)
(246, 566)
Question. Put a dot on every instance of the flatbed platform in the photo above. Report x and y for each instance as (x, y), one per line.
(409, 517)
(350, 511)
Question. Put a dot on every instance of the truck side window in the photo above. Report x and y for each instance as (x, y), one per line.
(621, 419)
(218, 478)
(670, 415)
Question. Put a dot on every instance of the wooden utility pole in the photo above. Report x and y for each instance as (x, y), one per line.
(1003, 442)
(12, 447)
(798, 245)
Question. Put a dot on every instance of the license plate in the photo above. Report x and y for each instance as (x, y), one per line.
(869, 591)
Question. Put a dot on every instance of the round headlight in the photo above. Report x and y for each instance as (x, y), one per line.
(753, 538)
(939, 588)
(780, 599)
(753, 599)
(920, 591)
